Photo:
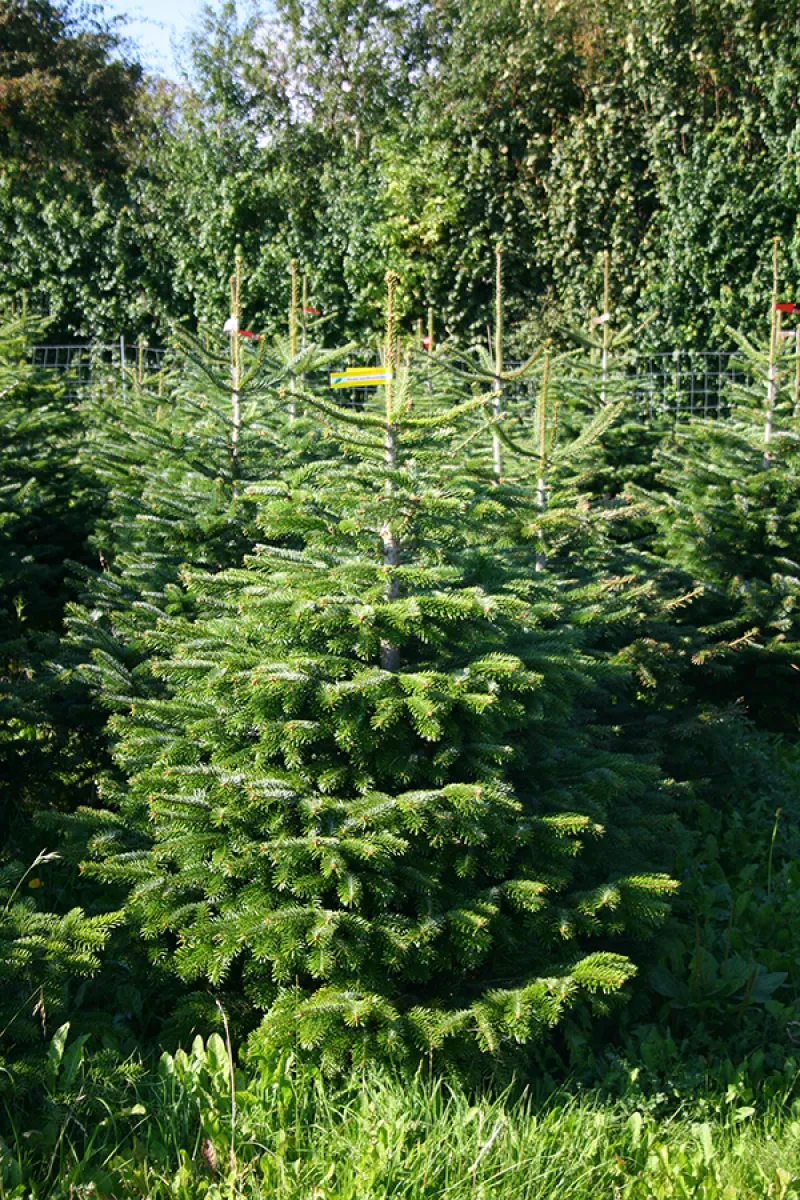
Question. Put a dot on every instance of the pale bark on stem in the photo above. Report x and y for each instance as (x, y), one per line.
(772, 395)
(304, 314)
(390, 654)
(541, 485)
(303, 323)
(236, 399)
(606, 327)
(497, 386)
(293, 339)
(772, 374)
(797, 374)
(236, 365)
(541, 504)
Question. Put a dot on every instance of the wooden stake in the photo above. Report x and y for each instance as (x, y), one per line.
(304, 323)
(606, 324)
(774, 341)
(305, 307)
(541, 486)
(390, 654)
(391, 279)
(293, 338)
(497, 386)
(236, 359)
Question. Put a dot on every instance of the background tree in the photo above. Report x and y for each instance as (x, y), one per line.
(345, 133)
(68, 127)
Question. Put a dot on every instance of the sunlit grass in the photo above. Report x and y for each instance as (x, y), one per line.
(382, 1136)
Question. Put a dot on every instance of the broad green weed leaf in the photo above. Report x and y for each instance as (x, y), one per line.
(55, 1051)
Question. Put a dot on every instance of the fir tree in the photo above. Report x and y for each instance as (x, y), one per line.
(176, 451)
(375, 792)
(49, 746)
(727, 518)
(43, 956)
(47, 506)
(604, 375)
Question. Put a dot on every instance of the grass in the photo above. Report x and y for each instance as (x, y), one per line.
(381, 1136)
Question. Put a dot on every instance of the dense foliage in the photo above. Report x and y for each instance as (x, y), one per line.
(48, 505)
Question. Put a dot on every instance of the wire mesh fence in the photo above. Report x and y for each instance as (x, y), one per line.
(680, 383)
(687, 383)
(80, 364)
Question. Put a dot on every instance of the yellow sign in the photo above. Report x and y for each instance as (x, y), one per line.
(360, 377)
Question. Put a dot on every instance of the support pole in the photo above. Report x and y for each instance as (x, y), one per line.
(774, 342)
(293, 339)
(497, 386)
(304, 315)
(390, 654)
(236, 362)
(541, 485)
(606, 318)
(304, 326)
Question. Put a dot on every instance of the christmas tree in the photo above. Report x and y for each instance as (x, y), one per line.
(374, 796)
(47, 507)
(48, 738)
(727, 516)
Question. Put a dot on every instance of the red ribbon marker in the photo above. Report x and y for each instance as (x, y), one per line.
(314, 311)
(426, 341)
(787, 308)
(246, 333)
